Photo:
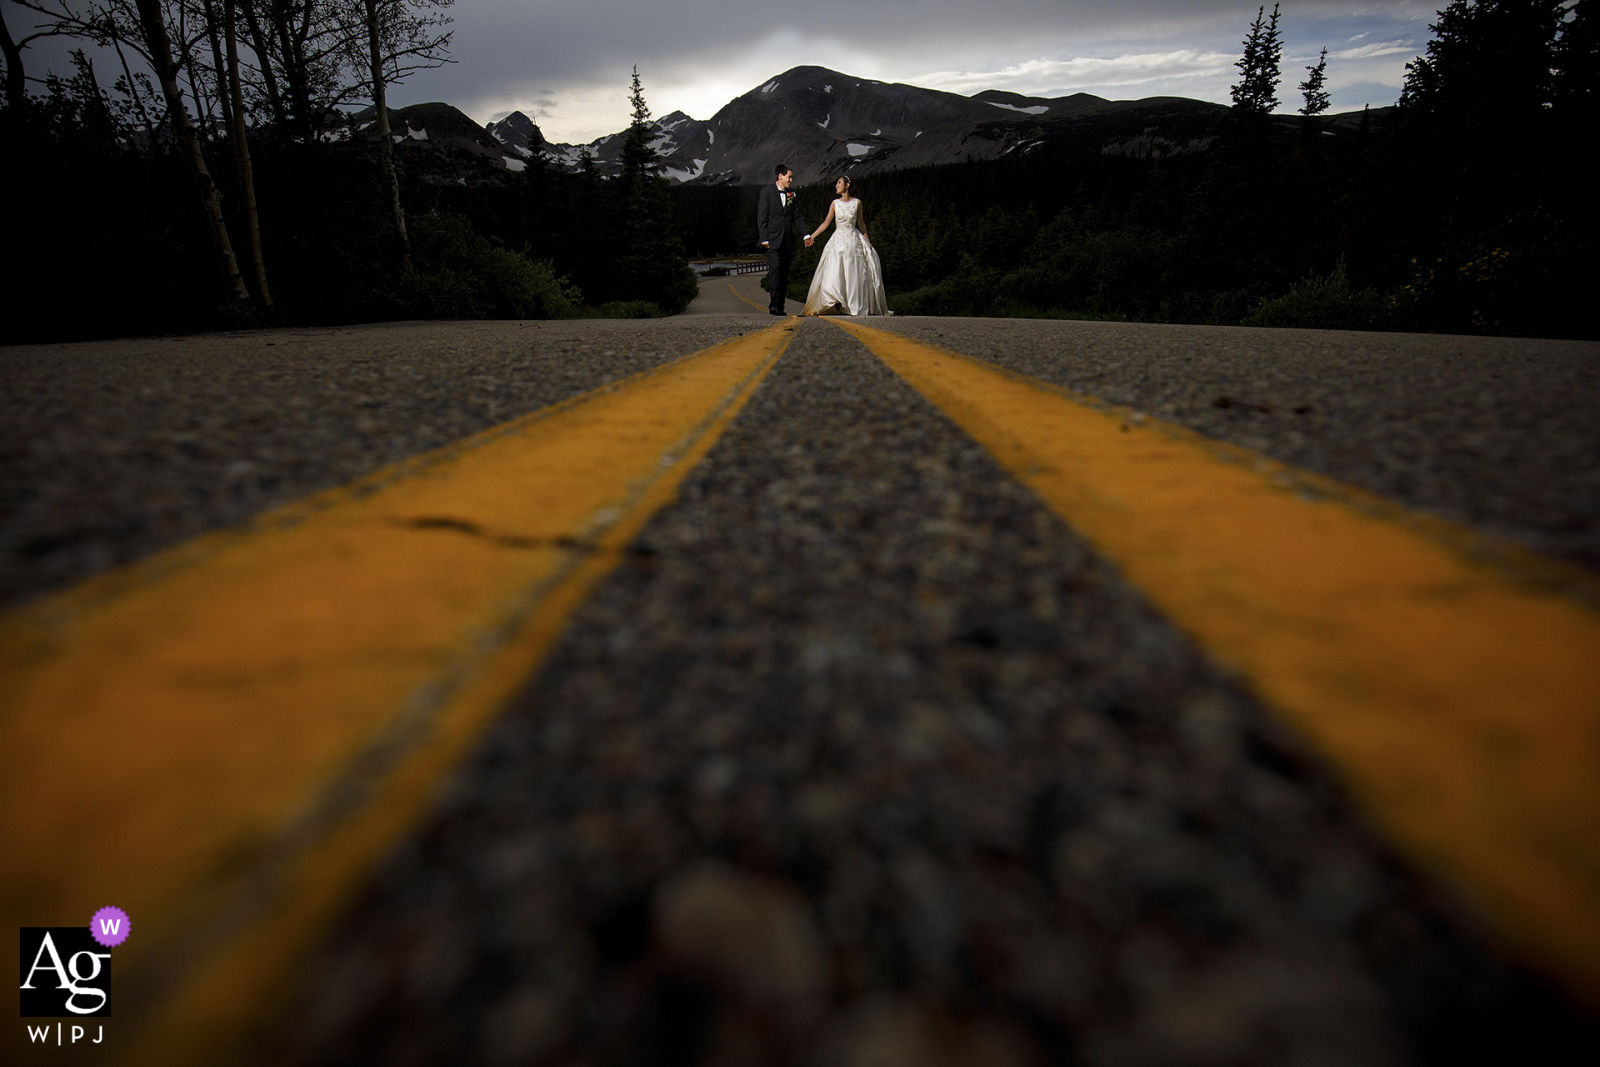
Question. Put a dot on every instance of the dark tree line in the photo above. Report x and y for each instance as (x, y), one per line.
(306, 57)
(229, 183)
(219, 175)
(1465, 208)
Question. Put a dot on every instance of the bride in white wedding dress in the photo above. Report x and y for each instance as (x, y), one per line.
(849, 277)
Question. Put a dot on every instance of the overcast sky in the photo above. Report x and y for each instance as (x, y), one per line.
(566, 63)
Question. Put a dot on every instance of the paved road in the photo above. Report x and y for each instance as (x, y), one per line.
(1475, 429)
(850, 750)
(115, 449)
(739, 295)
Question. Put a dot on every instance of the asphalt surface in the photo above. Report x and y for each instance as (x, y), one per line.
(1497, 433)
(111, 450)
(862, 756)
(865, 758)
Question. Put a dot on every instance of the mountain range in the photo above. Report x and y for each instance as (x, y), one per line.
(824, 123)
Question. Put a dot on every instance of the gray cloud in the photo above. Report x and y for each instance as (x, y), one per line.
(694, 55)
(567, 62)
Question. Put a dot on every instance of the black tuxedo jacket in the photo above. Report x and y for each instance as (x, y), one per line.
(773, 219)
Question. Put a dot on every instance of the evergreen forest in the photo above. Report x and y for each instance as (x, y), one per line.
(1467, 208)
(210, 196)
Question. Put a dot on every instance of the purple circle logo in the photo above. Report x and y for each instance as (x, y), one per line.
(110, 926)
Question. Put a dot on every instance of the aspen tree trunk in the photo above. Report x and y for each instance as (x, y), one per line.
(202, 122)
(269, 80)
(16, 85)
(241, 150)
(160, 48)
(223, 102)
(386, 142)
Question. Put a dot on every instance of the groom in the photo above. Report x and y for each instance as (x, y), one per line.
(776, 215)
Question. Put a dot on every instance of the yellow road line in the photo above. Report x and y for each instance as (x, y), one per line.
(1458, 692)
(222, 739)
(747, 300)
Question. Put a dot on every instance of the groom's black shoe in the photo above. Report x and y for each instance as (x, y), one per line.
(775, 311)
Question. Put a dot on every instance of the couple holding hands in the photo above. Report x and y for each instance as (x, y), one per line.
(849, 276)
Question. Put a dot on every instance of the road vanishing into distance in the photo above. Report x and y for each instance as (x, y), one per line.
(734, 689)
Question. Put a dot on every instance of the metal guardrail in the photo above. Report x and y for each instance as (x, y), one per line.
(728, 271)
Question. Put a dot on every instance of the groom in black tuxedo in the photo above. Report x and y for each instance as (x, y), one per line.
(776, 216)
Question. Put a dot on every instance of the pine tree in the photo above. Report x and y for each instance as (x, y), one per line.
(639, 160)
(651, 264)
(1486, 157)
(1478, 105)
(1489, 62)
(1312, 88)
(1256, 94)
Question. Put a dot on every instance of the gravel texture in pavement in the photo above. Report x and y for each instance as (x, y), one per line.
(1499, 433)
(112, 450)
(863, 758)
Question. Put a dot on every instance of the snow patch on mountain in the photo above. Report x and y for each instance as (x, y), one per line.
(569, 155)
(771, 85)
(824, 122)
(1037, 109)
(515, 164)
(857, 149)
(685, 175)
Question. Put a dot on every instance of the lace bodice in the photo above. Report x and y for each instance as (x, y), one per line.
(844, 213)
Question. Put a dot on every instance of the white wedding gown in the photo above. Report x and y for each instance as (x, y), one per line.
(849, 277)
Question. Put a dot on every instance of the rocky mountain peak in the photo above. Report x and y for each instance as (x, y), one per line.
(820, 122)
(516, 131)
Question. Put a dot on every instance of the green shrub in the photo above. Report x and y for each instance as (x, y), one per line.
(1529, 275)
(1321, 302)
(949, 297)
(460, 274)
(1113, 274)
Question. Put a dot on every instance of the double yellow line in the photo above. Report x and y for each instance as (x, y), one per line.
(222, 739)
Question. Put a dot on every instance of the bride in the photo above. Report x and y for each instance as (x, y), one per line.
(849, 277)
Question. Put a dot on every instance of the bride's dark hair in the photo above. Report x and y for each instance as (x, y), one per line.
(849, 186)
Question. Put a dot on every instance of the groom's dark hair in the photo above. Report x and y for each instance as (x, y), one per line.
(780, 170)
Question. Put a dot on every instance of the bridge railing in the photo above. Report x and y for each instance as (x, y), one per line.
(721, 271)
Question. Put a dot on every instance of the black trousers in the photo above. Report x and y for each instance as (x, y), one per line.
(778, 272)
